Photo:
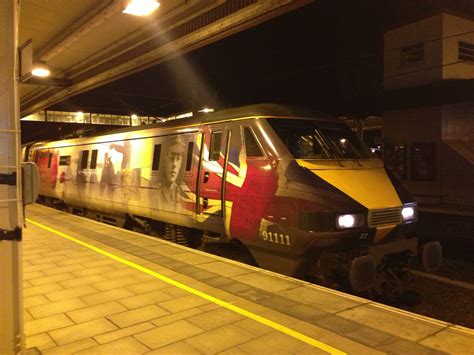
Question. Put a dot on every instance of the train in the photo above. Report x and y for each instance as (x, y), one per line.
(292, 190)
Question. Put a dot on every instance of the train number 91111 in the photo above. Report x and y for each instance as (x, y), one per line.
(277, 238)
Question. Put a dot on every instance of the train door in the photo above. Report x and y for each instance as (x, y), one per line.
(213, 171)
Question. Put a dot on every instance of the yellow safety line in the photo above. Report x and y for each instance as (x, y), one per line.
(293, 333)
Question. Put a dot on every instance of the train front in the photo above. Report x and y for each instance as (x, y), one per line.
(338, 214)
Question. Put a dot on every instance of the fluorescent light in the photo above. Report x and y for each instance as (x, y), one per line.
(206, 110)
(40, 69)
(134, 117)
(79, 116)
(185, 115)
(141, 7)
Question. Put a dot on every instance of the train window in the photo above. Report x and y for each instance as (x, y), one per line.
(252, 148)
(94, 159)
(307, 139)
(189, 159)
(84, 159)
(65, 160)
(214, 152)
(50, 156)
(156, 157)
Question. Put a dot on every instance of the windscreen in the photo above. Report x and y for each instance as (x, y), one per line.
(308, 139)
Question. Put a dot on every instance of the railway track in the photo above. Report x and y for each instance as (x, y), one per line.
(446, 280)
(448, 294)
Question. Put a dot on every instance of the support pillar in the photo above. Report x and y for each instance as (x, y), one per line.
(359, 123)
(11, 297)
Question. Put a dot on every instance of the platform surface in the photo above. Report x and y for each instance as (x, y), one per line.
(90, 288)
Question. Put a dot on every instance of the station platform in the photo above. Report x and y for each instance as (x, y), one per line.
(90, 288)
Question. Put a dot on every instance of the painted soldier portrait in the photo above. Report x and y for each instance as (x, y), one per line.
(169, 189)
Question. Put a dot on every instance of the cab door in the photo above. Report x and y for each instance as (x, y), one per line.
(212, 194)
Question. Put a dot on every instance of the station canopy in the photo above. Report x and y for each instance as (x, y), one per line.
(90, 43)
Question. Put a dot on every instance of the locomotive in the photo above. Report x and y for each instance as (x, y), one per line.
(296, 191)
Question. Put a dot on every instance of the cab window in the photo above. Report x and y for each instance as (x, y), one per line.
(252, 147)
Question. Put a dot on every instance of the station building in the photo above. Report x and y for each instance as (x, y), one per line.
(428, 120)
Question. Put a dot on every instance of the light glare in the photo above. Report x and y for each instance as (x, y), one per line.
(141, 7)
(206, 110)
(41, 72)
(346, 221)
(408, 212)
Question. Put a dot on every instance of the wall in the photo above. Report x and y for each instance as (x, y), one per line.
(452, 27)
(457, 131)
(442, 125)
(428, 31)
(411, 126)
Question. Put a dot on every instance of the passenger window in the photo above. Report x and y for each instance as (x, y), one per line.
(94, 159)
(189, 159)
(156, 157)
(65, 160)
(84, 159)
(49, 159)
(252, 148)
(215, 150)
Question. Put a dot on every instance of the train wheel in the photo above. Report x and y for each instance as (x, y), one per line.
(390, 285)
(188, 237)
(394, 287)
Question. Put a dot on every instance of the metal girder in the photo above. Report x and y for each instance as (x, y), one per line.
(197, 24)
(49, 81)
(91, 20)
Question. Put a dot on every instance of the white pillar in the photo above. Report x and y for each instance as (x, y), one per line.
(11, 303)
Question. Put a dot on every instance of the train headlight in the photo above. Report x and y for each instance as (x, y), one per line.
(409, 213)
(349, 221)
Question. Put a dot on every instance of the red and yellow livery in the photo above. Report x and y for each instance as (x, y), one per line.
(298, 190)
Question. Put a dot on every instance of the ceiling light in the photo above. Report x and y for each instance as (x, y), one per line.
(141, 7)
(134, 116)
(206, 110)
(40, 69)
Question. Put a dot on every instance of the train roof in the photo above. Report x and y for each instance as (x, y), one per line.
(258, 110)
(273, 110)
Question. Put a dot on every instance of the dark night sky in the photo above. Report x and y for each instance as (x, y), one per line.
(327, 55)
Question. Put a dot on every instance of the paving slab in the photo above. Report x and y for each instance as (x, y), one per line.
(268, 283)
(126, 345)
(219, 339)
(168, 334)
(81, 331)
(384, 319)
(451, 339)
(52, 308)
